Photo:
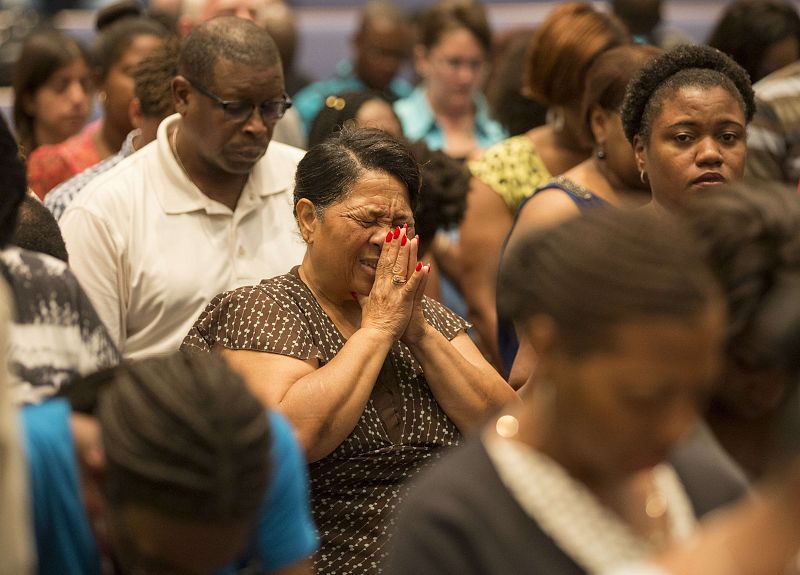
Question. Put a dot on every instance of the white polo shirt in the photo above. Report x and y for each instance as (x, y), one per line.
(151, 250)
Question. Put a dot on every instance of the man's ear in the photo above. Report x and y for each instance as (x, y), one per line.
(180, 94)
(307, 219)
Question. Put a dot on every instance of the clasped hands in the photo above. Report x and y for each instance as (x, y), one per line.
(394, 305)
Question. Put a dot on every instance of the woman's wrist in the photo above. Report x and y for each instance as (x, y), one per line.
(377, 336)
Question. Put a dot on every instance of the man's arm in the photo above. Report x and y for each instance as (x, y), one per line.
(97, 259)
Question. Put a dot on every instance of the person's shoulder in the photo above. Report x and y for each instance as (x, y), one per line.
(454, 481)
(780, 90)
(710, 477)
(33, 265)
(118, 186)
(46, 432)
(284, 443)
(284, 152)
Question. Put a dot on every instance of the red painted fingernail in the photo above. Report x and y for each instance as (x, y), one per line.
(389, 237)
(404, 240)
(419, 266)
(405, 226)
(397, 232)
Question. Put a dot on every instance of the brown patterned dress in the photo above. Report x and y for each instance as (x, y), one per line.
(356, 489)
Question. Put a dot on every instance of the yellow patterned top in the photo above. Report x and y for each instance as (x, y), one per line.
(512, 168)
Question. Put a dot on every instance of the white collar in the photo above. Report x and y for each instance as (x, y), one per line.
(586, 530)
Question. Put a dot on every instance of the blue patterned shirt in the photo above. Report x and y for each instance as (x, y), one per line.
(62, 195)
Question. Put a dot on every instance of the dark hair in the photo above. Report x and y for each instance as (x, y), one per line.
(328, 171)
(444, 17)
(750, 233)
(13, 182)
(116, 11)
(443, 196)
(337, 111)
(183, 435)
(678, 68)
(563, 48)
(516, 113)
(226, 38)
(43, 54)
(153, 81)
(37, 230)
(748, 28)
(639, 265)
(609, 76)
(113, 40)
(640, 16)
(381, 10)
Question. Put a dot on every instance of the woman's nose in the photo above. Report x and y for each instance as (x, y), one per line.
(77, 92)
(708, 152)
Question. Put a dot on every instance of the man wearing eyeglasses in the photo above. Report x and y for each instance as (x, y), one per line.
(205, 208)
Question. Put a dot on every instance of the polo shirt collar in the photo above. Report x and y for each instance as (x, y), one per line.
(183, 196)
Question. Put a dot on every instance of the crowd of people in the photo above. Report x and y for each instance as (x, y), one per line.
(527, 306)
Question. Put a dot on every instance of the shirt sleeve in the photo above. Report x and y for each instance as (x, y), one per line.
(447, 322)
(46, 169)
(255, 318)
(97, 260)
(286, 532)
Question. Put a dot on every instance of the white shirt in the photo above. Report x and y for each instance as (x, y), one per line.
(151, 250)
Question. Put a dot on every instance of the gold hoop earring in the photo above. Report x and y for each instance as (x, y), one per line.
(643, 176)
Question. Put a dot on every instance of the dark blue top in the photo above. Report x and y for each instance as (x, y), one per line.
(584, 200)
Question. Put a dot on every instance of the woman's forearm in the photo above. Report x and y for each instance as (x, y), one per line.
(325, 405)
(467, 390)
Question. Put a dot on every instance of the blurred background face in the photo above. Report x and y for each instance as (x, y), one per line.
(608, 132)
(381, 48)
(454, 69)
(621, 410)
(379, 114)
(119, 84)
(61, 105)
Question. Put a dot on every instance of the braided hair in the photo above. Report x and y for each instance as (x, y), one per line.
(183, 435)
(593, 273)
(678, 68)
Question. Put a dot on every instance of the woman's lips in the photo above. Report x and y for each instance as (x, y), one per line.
(709, 179)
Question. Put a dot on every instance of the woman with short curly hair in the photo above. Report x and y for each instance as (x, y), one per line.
(686, 115)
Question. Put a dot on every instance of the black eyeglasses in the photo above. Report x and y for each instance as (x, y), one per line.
(241, 110)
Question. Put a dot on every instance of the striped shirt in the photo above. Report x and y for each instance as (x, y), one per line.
(773, 137)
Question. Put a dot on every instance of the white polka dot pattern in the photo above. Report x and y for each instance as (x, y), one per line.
(357, 488)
